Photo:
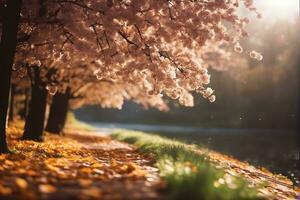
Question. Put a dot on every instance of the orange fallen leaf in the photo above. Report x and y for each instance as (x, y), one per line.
(8, 162)
(114, 162)
(85, 182)
(52, 168)
(21, 171)
(25, 163)
(31, 173)
(5, 190)
(46, 189)
(21, 183)
(86, 170)
(2, 156)
(92, 192)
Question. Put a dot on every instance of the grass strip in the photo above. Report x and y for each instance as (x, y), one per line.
(188, 174)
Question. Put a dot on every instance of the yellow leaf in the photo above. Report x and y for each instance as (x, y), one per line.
(8, 162)
(86, 170)
(2, 156)
(21, 183)
(46, 189)
(52, 168)
(114, 162)
(97, 165)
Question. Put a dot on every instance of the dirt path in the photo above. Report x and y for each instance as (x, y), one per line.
(131, 174)
(76, 166)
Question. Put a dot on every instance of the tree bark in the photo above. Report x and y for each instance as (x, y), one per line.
(8, 44)
(23, 112)
(34, 125)
(58, 112)
(12, 103)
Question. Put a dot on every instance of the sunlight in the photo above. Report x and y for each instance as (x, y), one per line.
(169, 99)
(275, 9)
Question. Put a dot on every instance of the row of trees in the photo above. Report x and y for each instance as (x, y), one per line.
(107, 51)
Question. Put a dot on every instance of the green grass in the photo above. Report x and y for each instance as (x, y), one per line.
(75, 123)
(188, 174)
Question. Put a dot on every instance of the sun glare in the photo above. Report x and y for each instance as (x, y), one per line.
(278, 9)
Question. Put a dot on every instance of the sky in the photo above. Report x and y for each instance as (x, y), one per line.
(278, 9)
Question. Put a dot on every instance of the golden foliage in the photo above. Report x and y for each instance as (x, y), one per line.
(72, 167)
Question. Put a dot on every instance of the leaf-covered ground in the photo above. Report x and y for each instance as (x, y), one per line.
(85, 164)
(75, 166)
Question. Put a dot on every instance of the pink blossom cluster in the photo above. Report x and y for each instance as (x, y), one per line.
(147, 51)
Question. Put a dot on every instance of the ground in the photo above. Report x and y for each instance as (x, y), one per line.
(78, 165)
(89, 164)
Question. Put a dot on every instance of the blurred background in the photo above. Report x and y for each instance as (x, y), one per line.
(256, 115)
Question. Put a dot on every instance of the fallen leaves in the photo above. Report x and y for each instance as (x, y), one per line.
(47, 189)
(21, 183)
(85, 182)
(86, 170)
(65, 167)
(5, 190)
(2, 157)
(92, 192)
(8, 163)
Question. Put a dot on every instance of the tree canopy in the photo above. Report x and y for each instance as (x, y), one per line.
(103, 52)
(141, 50)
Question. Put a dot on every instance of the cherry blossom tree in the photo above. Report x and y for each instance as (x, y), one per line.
(141, 50)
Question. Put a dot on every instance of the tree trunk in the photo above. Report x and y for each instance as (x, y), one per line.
(23, 112)
(11, 103)
(58, 112)
(34, 125)
(8, 44)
